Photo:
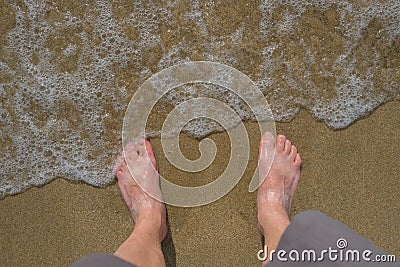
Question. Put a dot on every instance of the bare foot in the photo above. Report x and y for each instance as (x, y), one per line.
(276, 192)
(147, 212)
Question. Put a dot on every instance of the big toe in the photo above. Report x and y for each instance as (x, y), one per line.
(145, 150)
(266, 155)
(267, 144)
(150, 153)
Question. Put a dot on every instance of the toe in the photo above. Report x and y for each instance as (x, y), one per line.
(288, 147)
(119, 164)
(268, 139)
(141, 146)
(281, 143)
(297, 161)
(131, 151)
(267, 144)
(150, 153)
(122, 172)
(293, 153)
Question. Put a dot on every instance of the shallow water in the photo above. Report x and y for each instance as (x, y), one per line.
(68, 70)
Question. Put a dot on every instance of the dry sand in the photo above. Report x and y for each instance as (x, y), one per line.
(352, 175)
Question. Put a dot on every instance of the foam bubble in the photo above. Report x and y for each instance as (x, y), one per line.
(68, 74)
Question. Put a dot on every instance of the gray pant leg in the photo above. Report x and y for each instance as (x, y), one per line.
(313, 230)
(102, 260)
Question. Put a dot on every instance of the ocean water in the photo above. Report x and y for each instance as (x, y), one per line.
(68, 70)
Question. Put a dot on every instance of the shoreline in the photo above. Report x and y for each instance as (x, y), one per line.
(351, 175)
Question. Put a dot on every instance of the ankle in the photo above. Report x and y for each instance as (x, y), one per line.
(141, 250)
(151, 225)
(273, 219)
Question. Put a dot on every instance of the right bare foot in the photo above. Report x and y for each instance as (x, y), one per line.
(147, 212)
(278, 187)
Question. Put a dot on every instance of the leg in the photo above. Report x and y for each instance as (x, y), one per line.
(276, 192)
(143, 246)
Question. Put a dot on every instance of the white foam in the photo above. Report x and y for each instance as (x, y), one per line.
(42, 142)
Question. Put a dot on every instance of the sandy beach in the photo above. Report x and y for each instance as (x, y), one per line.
(69, 68)
(352, 175)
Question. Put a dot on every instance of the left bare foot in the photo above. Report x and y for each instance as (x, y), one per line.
(145, 210)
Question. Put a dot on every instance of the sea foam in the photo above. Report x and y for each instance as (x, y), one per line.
(68, 71)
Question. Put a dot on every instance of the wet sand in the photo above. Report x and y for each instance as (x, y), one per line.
(352, 175)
